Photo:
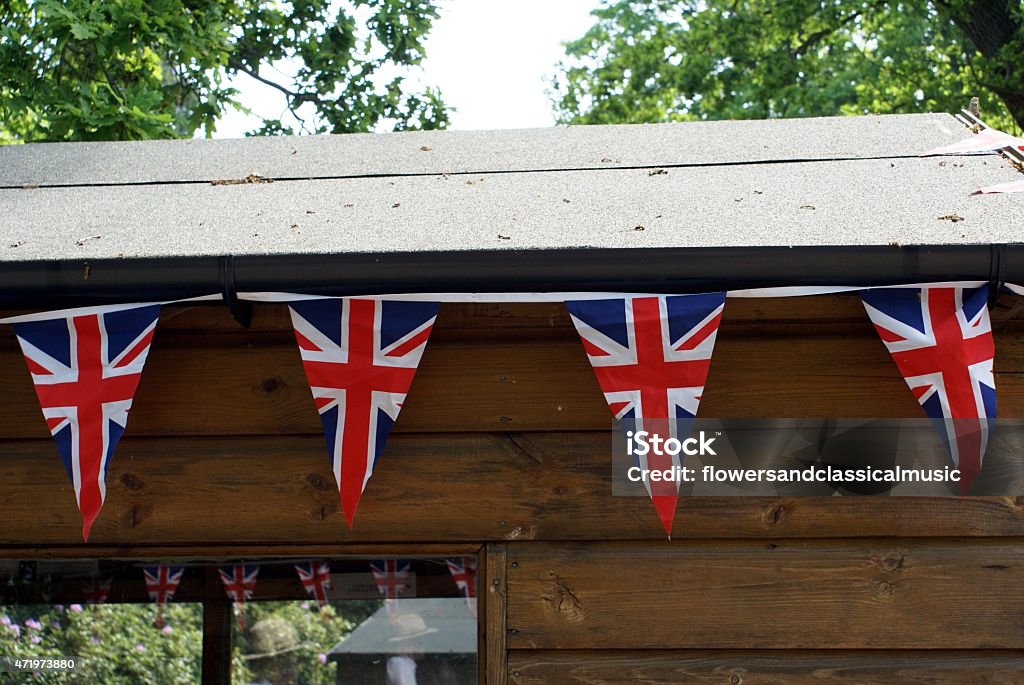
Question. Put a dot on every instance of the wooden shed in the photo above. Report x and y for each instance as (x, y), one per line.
(502, 448)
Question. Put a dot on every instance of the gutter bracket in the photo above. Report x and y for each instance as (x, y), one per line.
(240, 310)
(996, 275)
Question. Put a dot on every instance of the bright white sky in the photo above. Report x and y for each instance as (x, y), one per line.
(492, 60)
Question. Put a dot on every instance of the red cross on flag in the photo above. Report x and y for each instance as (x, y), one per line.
(239, 583)
(161, 583)
(315, 576)
(360, 356)
(651, 355)
(86, 365)
(463, 570)
(95, 590)
(392, 578)
(941, 341)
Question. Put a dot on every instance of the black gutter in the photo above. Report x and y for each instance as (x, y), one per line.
(61, 284)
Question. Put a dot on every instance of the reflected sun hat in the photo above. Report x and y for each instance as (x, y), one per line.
(409, 627)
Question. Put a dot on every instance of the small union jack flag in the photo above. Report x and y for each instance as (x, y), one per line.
(941, 340)
(360, 357)
(96, 590)
(463, 570)
(239, 583)
(86, 368)
(161, 583)
(392, 578)
(651, 355)
(316, 578)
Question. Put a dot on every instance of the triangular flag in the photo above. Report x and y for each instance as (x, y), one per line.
(86, 367)
(392, 578)
(463, 570)
(360, 357)
(1008, 187)
(315, 576)
(95, 590)
(988, 140)
(161, 583)
(239, 583)
(941, 340)
(651, 355)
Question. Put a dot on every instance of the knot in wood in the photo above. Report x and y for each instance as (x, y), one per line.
(132, 482)
(318, 482)
(561, 598)
(892, 562)
(135, 515)
(774, 515)
(321, 512)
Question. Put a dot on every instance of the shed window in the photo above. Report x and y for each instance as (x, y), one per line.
(413, 623)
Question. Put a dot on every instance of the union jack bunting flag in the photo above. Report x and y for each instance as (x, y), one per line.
(95, 590)
(316, 578)
(463, 570)
(360, 357)
(85, 369)
(239, 583)
(941, 340)
(392, 578)
(161, 583)
(651, 355)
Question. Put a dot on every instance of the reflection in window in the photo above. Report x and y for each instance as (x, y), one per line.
(293, 621)
(425, 641)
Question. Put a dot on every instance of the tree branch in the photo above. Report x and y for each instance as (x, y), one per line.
(293, 100)
(240, 66)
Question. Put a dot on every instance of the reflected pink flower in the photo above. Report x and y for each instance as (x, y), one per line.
(140, 648)
(6, 621)
(36, 639)
(75, 608)
(322, 658)
(16, 629)
(33, 624)
(167, 629)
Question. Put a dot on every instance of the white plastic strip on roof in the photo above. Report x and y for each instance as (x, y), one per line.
(479, 298)
(100, 309)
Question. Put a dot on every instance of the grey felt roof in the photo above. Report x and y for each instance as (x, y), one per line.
(826, 181)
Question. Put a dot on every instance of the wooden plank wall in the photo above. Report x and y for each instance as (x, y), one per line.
(504, 441)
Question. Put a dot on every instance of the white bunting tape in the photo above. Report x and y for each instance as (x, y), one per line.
(99, 309)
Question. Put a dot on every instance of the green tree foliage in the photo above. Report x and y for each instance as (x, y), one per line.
(119, 645)
(287, 642)
(136, 69)
(680, 60)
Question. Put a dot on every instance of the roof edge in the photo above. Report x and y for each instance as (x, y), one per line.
(62, 284)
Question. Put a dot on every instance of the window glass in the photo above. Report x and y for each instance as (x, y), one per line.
(277, 621)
